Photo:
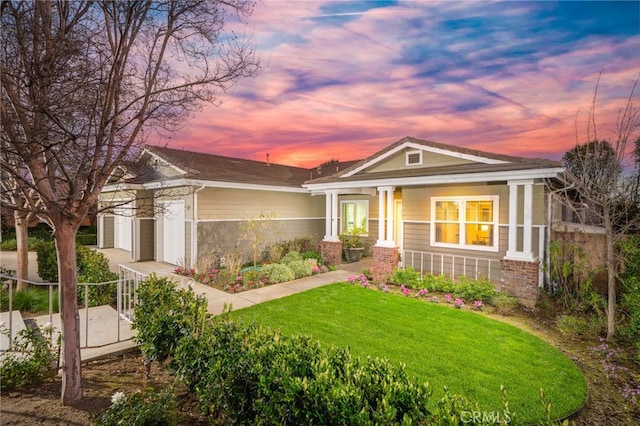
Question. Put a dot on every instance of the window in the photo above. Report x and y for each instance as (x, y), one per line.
(465, 222)
(414, 158)
(355, 214)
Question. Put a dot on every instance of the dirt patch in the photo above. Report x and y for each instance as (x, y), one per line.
(607, 404)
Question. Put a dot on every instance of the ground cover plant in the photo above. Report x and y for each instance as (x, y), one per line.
(470, 354)
(284, 263)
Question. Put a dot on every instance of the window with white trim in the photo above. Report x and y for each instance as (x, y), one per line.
(355, 214)
(465, 222)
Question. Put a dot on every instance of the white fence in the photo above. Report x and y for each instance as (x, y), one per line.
(97, 323)
(452, 265)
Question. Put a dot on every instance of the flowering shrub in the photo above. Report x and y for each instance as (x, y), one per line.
(203, 278)
(448, 297)
(423, 292)
(458, 303)
(478, 304)
(146, 407)
(360, 279)
(405, 290)
(381, 273)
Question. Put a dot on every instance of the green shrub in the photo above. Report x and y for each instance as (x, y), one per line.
(292, 256)
(504, 303)
(93, 267)
(574, 325)
(141, 408)
(629, 328)
(438, 283)
(32, 359)
(164, 314)
(87, 239)
(478, 289)
(278, 273)
(313, 254)
(407, 276)
(47, 262)
(30, 299)
(255, 376)
(301, 268)
(9, 245)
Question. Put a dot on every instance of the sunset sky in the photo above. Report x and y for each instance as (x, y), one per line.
(341, 79)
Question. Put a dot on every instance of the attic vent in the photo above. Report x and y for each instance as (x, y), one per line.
(414, 157)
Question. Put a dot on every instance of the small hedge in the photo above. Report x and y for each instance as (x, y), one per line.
(93, 267)
(248, 374)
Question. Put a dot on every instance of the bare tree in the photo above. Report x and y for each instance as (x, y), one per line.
(83, 86)
(599, 191)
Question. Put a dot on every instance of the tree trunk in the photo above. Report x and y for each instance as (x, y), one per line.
(65, 238)
(22, 240)
(611, 279)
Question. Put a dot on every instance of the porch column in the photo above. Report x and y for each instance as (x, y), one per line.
(331, 216)
(330, 246)
(385, 217)
(526, 252)
(519, 269)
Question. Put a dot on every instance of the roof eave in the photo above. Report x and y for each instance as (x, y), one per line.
(541, 173)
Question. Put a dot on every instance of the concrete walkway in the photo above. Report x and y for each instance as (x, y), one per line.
(102, 323)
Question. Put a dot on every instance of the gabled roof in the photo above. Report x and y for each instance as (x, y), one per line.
(471, 161)
(210, 167)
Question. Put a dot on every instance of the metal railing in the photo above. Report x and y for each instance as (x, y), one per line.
(452, 265)
(126, 300)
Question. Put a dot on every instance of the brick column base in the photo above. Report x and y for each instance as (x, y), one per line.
(520, 279)
(387, 256)
(331, 252)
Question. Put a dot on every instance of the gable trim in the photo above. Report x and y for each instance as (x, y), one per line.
(159, 158)
(220, 184)
(441, 179)
(416, 146)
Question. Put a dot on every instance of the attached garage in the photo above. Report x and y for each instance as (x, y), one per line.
(122, 229)
(172, 232)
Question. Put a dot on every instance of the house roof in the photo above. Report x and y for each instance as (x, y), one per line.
(478, 162)
(202, 166)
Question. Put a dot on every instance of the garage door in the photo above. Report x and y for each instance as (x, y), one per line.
(173, 241)
(122, 229)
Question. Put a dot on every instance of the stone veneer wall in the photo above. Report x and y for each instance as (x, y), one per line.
(331, 252)
(520, 279)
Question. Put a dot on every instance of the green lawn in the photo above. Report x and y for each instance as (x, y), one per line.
(467, 352)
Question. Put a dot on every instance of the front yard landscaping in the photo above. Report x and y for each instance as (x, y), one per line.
(469, 353)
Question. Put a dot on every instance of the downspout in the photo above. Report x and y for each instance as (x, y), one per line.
(547, 257)
(194, 228)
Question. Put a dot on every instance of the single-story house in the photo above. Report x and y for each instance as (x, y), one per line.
(439, 208)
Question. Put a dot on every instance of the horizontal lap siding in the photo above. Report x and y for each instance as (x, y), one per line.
(234, 204)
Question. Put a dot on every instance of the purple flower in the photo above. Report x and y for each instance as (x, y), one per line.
(448, 297)
(423, 291)
(385, 288)
(406, 291)
(478, 304)
(458, 302)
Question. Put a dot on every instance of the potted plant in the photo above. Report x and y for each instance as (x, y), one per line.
(352, 244)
